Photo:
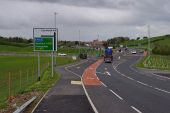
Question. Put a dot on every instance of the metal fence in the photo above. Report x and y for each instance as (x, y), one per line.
(13, 82)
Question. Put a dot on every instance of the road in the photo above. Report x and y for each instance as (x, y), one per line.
(65, 96)
(117, 87)
(126, 89)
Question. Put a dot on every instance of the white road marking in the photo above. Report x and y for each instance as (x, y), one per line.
(162, 90)
(163, 79)
(103, 84)
(76, 82)
(88, 97)
(160, 76)
(78, 67)
(116, 94)
(135, 109)
(108, 73)
(142, 83)
(130, 78)
(115, 68)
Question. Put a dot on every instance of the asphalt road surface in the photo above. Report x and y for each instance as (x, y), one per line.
(122, 89)
(126, 89)
(65, 97)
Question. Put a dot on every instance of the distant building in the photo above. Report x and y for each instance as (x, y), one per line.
(97, 44)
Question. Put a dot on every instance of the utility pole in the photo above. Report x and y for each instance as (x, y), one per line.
(79, 42)
(149, 48)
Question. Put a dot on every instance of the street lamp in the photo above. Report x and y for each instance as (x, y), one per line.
(79, 42)
(149, 39)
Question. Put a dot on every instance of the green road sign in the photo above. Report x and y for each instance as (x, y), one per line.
(44, 39)
(44, 43)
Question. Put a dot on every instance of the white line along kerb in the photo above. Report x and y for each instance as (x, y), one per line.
(87, 95)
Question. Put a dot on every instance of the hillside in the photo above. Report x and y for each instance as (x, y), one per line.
(162, 40)
(7, 45)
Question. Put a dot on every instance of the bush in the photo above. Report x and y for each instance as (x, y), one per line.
(161, 49)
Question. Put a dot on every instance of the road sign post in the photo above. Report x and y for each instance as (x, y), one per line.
(39, 67)
(45, 41)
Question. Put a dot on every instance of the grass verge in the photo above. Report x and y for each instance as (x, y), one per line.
(155, 62)
(46, 82)
(27, 82)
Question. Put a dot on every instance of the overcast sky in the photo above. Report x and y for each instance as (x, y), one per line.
(106, 18)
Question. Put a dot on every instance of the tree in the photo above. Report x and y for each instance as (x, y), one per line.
(76, 42)
(138, 38)
(145, 37)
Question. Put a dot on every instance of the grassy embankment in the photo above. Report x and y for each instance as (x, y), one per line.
(156, 61)
(28, 49)
(143, 43)
(8, 47)
(19, 75)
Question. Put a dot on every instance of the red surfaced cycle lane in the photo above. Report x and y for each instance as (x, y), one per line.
(90, 77)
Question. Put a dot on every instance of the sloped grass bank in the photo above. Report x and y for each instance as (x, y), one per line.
(155, 62)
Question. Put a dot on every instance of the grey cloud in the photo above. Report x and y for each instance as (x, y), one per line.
(91, 3)
(107, 17)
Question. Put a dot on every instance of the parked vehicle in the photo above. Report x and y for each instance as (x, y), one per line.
(62, 54)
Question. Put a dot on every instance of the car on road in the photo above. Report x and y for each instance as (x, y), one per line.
(133, 52)
(83, 55)
(62, 54)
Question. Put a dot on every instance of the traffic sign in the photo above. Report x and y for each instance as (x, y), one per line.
(44, 39)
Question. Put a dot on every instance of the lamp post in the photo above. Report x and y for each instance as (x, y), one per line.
(79, 42)
(149, 40)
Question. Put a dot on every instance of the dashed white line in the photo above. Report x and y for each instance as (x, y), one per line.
(162, 90)
(135, 109)
(142, 83)
(103, 84)
(116, 94)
